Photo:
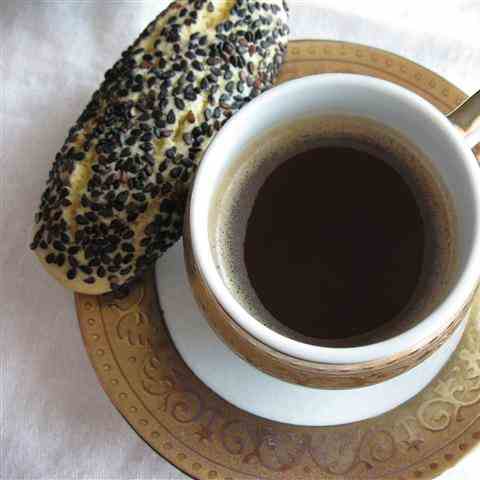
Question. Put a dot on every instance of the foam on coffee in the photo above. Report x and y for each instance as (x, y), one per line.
(235, 199)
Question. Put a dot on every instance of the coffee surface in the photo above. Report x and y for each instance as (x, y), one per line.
(334, 231)
(334, 243)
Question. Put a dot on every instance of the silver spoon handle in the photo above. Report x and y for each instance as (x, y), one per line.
(467, 117)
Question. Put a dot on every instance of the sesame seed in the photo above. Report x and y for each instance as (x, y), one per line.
(71, 274)
(91, 216)
(171, 117)
(175, 172)
(187, 138)
(179, 103)
(171, 152)
(122, 197)
(81, 220)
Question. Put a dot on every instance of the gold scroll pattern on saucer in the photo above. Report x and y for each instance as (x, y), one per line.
(204, 436)
(161, 398)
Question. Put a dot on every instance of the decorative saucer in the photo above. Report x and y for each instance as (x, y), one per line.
(209, 438)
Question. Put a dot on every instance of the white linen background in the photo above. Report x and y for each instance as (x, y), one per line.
(56, 421)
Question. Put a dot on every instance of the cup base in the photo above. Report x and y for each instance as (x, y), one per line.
(260, 394)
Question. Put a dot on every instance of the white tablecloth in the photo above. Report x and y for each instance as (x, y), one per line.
(56, 422)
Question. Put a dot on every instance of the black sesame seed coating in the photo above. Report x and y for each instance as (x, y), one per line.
(115, 196)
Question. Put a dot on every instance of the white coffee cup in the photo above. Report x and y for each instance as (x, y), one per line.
(449, 149)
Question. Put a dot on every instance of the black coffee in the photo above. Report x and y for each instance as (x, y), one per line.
(334, 231)
(335, 242)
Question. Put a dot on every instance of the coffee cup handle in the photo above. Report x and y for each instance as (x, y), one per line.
(467, 118)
